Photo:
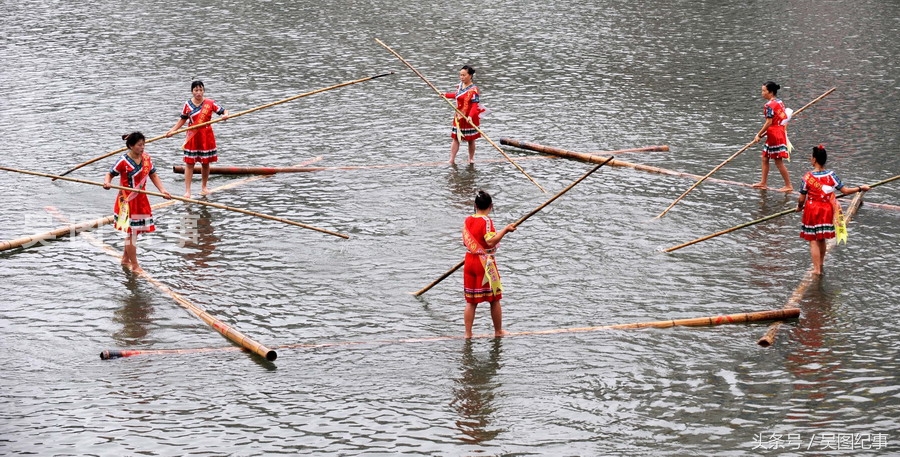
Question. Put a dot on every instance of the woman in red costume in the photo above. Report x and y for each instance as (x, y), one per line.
(775, 131)
(481, 279)
(468, 103)
(199, 144)
(133, 214)
(822, 215)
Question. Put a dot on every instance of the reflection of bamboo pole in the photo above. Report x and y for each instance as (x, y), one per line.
(794, 301)
(740, 318)
(460, 113)
(228, 332)
(74, 229)
(516, 223)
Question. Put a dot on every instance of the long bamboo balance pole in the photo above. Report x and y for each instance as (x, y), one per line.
(808, 280)
(747, 146)
(227, 331)
(432, 86)
(516, 223)
(762, 219)
(230, 116)
(188, 200)
(73, 229)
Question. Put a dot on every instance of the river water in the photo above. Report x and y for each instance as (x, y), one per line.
(584, 76)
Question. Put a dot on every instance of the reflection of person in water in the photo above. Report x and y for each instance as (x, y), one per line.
(813, 368)
(462, 185)
(473, 395)
(202, 235)
(134, 315)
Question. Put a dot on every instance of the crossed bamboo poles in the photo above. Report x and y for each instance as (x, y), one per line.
(747, 146)
(460, 113)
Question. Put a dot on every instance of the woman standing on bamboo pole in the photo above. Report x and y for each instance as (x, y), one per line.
(481, 279)
(822, 215)
(775, 131)
(468, 102)
(199, 144)
(133, 214)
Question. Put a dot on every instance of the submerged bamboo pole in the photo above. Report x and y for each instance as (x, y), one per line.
(735, 155)
(516, 223)
(794, 300)
(710, 321)
(188, 200)
(230, 116)
(484, 135)
(179, 169)
(227, 331)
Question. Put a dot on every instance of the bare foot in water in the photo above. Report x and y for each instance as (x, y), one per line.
(760, 185)
(205, 191)
(501, 333)
(786, 189)
(187, 195)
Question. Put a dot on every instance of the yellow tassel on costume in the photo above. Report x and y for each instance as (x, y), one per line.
(790, 149)
(840, 228)
(123, 218)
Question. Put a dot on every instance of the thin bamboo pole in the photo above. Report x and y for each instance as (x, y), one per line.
(809, 279)
(829, 91)
(74, 229)
(183, 199)
(762, 219)
(432, 86)
(179, 169)
(227, 331)
(231, 116)
(516, 223)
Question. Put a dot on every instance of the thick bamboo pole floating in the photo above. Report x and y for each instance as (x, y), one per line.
(564, 153)
(729, 319)
(230, 116)
(516, 223)
(183, 199)
(109, 354)
(762, 219)
(747, 146)
(591, 158)
(228, 332)
(809, 279)
(441, 94)
(74, 229)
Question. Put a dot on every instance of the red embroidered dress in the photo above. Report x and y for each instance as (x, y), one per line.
(467, 102)
(481, 280)
(776, 134)
(133, 208)
(200, 144)
(818, 210)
